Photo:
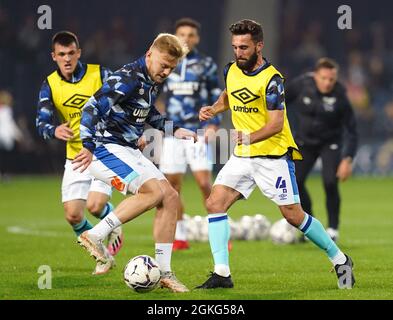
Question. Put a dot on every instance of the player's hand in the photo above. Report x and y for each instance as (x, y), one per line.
(242, 138)
(64, 132)
(82, 160)
(182, 133)
(344, 170)
(142, 143)
(206, 113)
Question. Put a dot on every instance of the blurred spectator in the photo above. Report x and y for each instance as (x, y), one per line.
(9, 131)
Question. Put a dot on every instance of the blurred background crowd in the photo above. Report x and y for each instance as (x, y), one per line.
(116, 33)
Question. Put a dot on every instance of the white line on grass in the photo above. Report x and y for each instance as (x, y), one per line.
(38, 233)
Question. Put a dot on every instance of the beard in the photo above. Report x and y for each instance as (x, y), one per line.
(249, 64)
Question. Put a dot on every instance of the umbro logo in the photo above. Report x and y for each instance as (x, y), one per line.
(76, 101)
(110, 222)
(244, 95)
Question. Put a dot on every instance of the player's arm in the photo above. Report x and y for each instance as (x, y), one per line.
(221, 105)
(158, 121)
(275, 101)
(344, 170)
(99, 105)
(45, 119)
(105, 73)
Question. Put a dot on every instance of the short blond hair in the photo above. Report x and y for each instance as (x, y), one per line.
(169, 43)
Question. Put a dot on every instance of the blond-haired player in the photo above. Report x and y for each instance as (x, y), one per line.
(112, 122)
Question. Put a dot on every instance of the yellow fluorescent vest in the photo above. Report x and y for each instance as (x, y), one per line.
(247, 101)
(69, 99)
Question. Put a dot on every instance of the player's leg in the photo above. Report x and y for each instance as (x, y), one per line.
(180, 242)
(303, 168)
(128, 170)
(74, 190)
(233, 182)
(204, 182)
(199, 158)
(313, 230)
(164, 234)
(218, 203)
(98, 205)
(330, 160)
(282, 189)
(203, 179)
(149, 195)
(124, 169)
(74, 214)
(173, 164)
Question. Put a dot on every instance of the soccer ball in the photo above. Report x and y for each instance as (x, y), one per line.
(261, 226)
(246, 227)
(235, 229)
(252, 227)
(142, 273)
(202, 225)
(197, 229)
(192, 229)
(282, 232)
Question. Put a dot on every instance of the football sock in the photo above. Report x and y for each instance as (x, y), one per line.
(163, 256)
(105, 226)
(313, 230)
(82, 226)
(181, 233)
(219, 233)
(107, 209)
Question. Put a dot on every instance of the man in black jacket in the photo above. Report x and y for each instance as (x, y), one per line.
(326, 128)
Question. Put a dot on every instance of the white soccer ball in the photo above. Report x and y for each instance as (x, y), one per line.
(235, 229)
(282, 232)
(200, 226)
(142, 273)
(261, 225)
(246, 226)
(192, 229)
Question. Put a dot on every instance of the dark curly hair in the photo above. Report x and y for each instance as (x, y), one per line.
(247, 26)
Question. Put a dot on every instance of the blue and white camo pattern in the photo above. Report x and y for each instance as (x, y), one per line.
(117, 113)
(192, 85)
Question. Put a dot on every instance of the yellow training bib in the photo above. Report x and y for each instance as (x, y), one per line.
(69, 98)
(247, 101)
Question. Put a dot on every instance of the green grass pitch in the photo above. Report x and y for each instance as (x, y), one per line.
(34, 233)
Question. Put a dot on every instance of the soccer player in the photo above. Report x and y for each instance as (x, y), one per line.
(327, 129)
(112, 122)
(263, 155)
(64, 92)
(193, 84)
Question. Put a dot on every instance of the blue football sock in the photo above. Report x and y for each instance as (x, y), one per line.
(107, 209)
(219, 233)
(314, 231)
(82, 226)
